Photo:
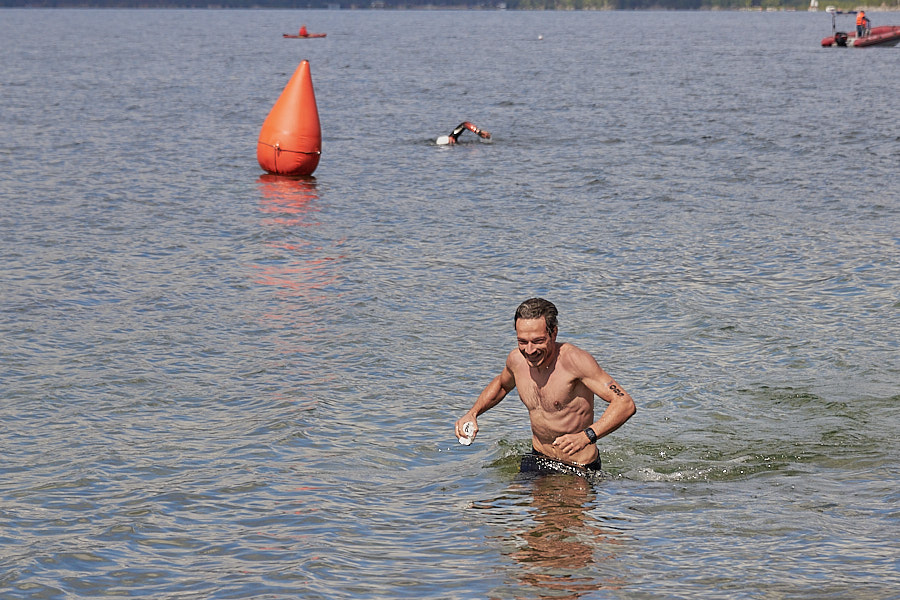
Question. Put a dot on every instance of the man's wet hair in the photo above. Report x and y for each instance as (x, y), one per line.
(535, 308)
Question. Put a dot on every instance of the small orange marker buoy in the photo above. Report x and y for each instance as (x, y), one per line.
(290, 142)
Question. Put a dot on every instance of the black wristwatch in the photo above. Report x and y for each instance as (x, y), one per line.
(591, 435)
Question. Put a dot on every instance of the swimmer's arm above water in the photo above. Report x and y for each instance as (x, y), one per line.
(489, 397)
(477, 131)
(457, 131)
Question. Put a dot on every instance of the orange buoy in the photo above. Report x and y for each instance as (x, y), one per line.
(290, 141)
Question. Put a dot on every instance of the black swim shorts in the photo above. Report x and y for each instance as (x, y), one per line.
(540, 462)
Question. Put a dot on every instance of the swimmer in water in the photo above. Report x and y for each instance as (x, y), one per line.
(454, 135)
(557, 383)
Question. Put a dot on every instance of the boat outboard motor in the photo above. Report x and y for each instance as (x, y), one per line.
(840, 38)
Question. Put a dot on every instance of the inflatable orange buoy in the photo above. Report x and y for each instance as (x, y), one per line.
(290, 141)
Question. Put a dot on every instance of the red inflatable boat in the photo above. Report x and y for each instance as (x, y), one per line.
(883, 35)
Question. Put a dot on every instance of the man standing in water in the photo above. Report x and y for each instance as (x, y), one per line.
(557, 383)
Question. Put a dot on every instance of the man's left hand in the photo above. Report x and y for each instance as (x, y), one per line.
(571, 443)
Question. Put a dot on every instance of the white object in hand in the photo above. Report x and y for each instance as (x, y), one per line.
(468, 430)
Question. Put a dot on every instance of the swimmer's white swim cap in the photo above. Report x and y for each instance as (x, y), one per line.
(443, 140)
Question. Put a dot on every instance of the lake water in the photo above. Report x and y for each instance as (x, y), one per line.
(219, 384)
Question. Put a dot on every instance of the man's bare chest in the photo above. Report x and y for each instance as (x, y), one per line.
(548, 394)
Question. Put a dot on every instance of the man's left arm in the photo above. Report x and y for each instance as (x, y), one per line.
(620, 405)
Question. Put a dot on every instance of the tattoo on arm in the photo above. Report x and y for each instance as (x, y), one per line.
(616, 390)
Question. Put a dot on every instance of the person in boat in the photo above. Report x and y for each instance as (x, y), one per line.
(862, 23)
(454, 135)
(557, 383)
(303, 32)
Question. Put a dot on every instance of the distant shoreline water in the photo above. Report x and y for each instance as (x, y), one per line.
(498, 7)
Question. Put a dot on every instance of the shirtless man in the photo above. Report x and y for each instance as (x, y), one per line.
(557, 383)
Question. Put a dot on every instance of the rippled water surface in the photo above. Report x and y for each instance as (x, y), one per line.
(221, 384)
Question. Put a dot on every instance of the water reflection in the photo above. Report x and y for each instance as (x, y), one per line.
(300, 266)
(566, 553)
(289, 198)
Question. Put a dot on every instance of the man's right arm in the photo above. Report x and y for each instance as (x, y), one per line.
(489, 397)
